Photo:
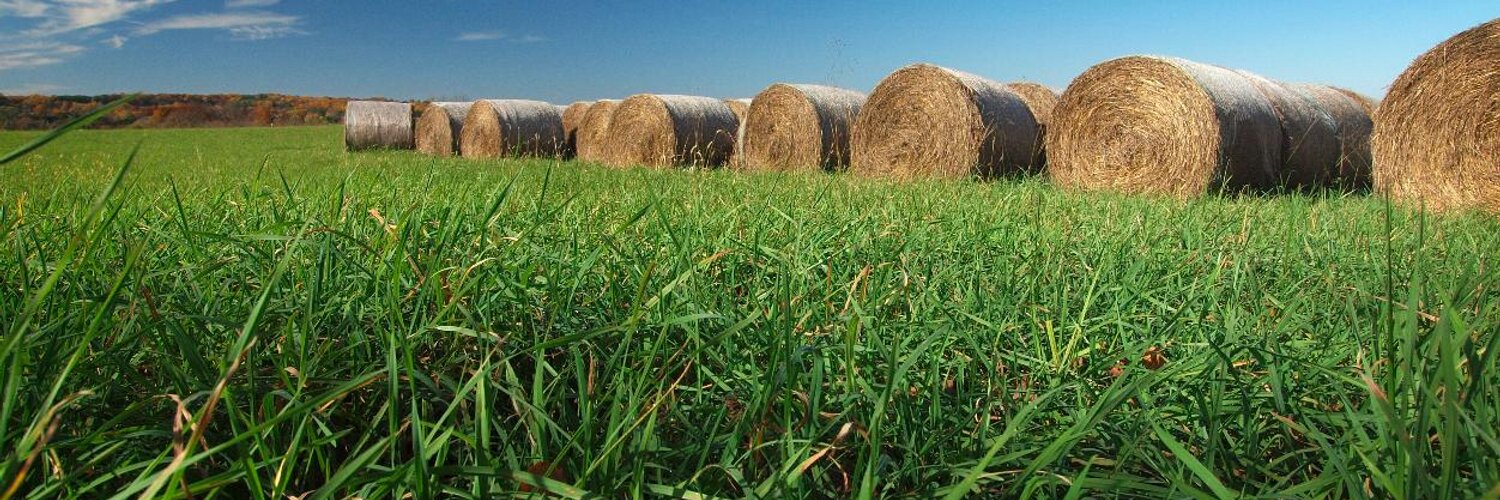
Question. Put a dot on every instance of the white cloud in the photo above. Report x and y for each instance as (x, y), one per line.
(64, 16)
(532, 39)
(240, 4)
(23, 8)
(479, 36)
(33, 89)
(31, 55)
(240, 25)
(116, 41)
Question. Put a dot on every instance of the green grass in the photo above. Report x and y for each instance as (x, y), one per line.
(254, 313)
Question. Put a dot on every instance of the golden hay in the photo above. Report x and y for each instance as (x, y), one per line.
(439, 127)
(665, 130)
(572, 117)
(928, 121)
(1041, 100)
(593, 130)
(511, 127)
(794, 126)
(1144, 124)
(375, 124)
(1437, 132)
(740, 107)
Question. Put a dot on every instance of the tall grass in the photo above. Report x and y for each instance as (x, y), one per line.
(255, 314)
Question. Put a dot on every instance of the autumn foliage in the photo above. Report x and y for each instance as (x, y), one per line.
(173, 110)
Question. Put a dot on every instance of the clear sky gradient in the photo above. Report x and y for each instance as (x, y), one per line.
(562, 51)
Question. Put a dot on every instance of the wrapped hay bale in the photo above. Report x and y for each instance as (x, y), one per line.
(665, 130)
(739, 107)
(511, 127)
(1041, 100)
(1437, 132)
(928, 121)
(439, 127)
(572, 116)
(593, 130)
(376, 124)
(1351, 114)
(1309, 136)
(794, 126)
(1144, 124)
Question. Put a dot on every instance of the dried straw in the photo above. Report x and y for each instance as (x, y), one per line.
(1437, 132)
(1041, 100)
(593, 131)
(1145, 124)
(439, 127)
(665, 130)
(572, 116)
(511, 127)
(796, 126)
(928, 121)
(376, 124)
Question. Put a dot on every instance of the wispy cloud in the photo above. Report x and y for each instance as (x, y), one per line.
(65, 16)
(240, 4)
(33, 89)
(31, 55)
(116, 41)
(532, 39)
(240, 25)
(23, 8)
(479, 36)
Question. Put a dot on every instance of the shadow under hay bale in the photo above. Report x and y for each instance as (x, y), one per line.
(440, 126)
(377, 125)
(929, 121)
(668, 130)
(796, 126)
(512, 127)
(1437, 132)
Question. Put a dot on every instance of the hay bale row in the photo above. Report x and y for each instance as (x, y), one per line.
(668, 130)
(1145, 124)
(930, 121)
(377, 125)
(1437, 132)
(796, 126)
(572, 116)
(512, 127)
(440, 126)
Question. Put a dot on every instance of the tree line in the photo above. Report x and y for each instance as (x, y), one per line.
(173, 110)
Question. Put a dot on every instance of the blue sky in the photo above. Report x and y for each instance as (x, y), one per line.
(568, 50)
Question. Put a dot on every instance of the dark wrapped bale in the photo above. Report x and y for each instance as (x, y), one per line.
(796, 126)
(572, 116)
(1041, 100)
(928, 121)
(667, 130)
(1437, 132)
(512, 127)
(439, 127)
(1352, 117)
(377, 125)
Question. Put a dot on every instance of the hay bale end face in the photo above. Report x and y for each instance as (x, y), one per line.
(928, 121)
(593, 131)
(666, 130)
(1041, 100)
(377, 125)
(740, 107)
(1145, 124)
(572, 116)
(512, 127)
(794, 126)
(1437, 132)
(439, 127)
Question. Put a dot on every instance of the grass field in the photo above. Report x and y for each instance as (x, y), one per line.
(253, 313)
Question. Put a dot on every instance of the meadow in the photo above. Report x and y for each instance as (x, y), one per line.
(254, 313)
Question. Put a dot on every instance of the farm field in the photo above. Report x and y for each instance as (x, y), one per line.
(256, 313)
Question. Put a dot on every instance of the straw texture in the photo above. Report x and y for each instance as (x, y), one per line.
(377, 125)
(511, 127)
(798, 126)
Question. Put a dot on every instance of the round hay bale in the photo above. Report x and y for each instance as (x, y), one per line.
(665, 130)
(1309, 135)
(929, 121)
(1041, 100)
(439, 127)
(511, 127)
(794, 126)
(377, 124)
(1437, 132)
(593, 130)
(572, 116)
(1351, 114)
(1146, 124)
(740, 107)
